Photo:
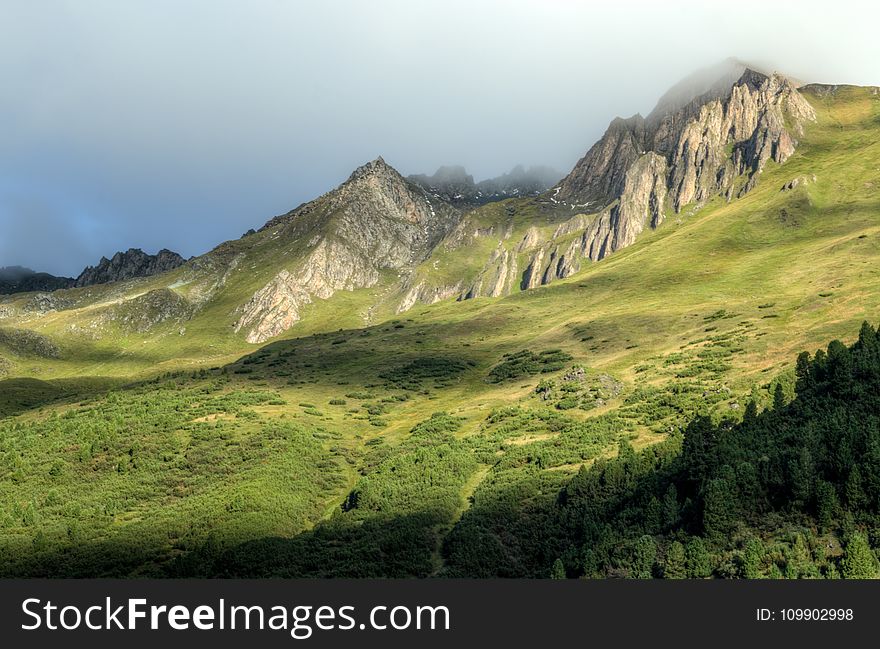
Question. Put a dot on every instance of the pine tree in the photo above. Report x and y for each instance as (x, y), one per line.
(719, 508)
(671, 509)
(858, 561)
(697, 559)
(753, 555)
(778, 398)
(644, 557)
(803, 373)
(853, 491)
(827, 504)
(675, 566)
(558, 570)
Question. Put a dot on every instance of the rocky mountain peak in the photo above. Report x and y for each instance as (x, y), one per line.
(374, 221)
(708, 83)
(706, 132)
(130, 264)
(377, 167)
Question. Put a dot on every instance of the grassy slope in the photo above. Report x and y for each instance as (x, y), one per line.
(690, 317)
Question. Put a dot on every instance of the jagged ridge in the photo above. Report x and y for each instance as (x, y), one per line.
(129, 265)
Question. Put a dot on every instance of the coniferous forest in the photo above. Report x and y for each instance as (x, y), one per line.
(792, 491)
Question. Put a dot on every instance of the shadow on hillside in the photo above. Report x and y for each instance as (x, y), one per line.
(377, 546)
(354, 359)
(18, 395)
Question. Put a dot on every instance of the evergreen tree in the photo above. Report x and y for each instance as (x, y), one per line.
(802, 477)
(803, 373)
(778, 398)
(858, 561)
(697, 559)
(853, 491)
(753, 555)
(558, 570)
(675, 566)
(750, 415)
(827, 504)
(699, 448)
(644, 557)
(719, 508)
(670, 507)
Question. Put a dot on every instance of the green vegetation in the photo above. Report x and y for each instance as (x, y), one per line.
(644, 417)
(526, 363)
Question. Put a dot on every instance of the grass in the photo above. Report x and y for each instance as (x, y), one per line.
(238, 448)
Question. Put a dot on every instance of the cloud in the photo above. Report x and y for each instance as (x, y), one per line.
(180, 124)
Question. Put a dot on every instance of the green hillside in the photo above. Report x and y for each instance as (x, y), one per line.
(435, 441)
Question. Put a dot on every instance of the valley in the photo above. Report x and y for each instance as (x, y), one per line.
(238, 415)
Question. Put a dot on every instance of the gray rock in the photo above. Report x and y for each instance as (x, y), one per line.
(373, 222)
(129, 265)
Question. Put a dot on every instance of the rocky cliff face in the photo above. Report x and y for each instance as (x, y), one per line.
(687, 150)
(375, 221)
(710, 135)
(129, 265)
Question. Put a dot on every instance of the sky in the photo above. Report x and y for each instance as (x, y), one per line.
(182, 123)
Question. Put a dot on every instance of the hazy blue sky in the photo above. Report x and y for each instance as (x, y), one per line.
(175, 123)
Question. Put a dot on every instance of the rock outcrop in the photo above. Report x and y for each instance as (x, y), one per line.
(375, 221)
(687, 151)
(129, 265)
(422, 293)
(145, 312)
(711, 135)
(274, 309)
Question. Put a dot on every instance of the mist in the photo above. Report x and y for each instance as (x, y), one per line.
(181, 124)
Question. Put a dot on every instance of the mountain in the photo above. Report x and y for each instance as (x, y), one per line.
(130, 264)
(715, 143)
(690, 149)
(455, 186)
(424, 239)
(530, 433)
(388, 243)
(373, 223)
(17, 279)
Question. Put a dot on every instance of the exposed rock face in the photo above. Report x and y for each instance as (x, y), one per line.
(373, 222)
(273, 309)
(129, 265)
(498, 277)
(421, 293)
(16, 279)
(642, 201)
(687, 150)
(455, 186)
(798, 182)
(710, 135)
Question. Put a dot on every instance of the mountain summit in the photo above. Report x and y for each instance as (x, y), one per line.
(132, 263)
(686, 151)
(375, 221)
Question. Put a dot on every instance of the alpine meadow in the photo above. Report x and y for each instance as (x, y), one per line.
(662, 364)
